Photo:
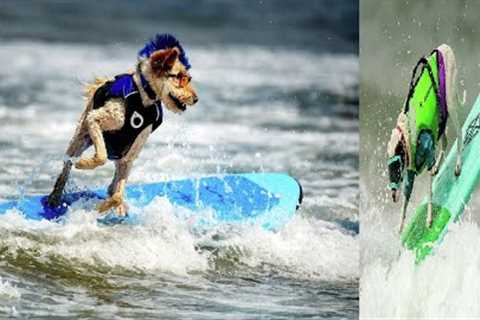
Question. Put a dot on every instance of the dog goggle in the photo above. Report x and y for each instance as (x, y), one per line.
(182, 78)
(395, 168)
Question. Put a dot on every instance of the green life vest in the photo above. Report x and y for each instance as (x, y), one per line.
(422, 106)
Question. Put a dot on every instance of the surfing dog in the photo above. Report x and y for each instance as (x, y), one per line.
(122, 112)
(420, 127)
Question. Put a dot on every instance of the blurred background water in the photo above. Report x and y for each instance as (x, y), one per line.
(278, 88)
(395, 34)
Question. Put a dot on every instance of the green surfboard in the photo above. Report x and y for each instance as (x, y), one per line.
(450, 193)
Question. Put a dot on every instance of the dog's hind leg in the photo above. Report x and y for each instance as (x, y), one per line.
(109, 117)
(441, 155)
(79, 143)
(404, 215)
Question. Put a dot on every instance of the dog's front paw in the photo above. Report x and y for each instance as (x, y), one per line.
(122, 209)
(429, 222)
(89, 163)
(429, 216)
(114, 201)
(400, 229)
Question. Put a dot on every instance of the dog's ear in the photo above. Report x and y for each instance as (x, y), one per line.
(163, 60)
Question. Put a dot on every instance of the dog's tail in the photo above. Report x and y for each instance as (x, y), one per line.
(90, 88)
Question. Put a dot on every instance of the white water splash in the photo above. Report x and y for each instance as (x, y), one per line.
(162, 241)
(305, 249)
(8, 290)
(444, 286)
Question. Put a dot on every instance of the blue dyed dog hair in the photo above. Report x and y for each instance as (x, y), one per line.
(164, 41)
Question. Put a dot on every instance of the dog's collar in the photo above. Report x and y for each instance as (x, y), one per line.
(145, 85)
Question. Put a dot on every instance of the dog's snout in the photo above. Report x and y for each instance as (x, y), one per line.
(195, 99)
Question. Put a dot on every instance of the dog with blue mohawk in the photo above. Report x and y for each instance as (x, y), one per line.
(123, 111)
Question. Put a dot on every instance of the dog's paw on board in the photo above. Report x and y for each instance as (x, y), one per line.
(115, 201)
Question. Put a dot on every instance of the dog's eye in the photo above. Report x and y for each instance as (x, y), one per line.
(183, 79)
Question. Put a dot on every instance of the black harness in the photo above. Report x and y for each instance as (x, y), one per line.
(137, 116)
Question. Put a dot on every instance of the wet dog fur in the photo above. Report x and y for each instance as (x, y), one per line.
(455, 105)
(169, 79)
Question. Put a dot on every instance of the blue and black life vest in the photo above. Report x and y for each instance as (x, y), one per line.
(137, 116)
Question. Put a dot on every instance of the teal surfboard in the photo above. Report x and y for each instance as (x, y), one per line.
(265, 199)
(450, 193)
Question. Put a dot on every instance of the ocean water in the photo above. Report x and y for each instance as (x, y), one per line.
(445, 286)
(264, 106)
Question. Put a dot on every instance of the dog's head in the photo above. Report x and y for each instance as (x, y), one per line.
(396, 162)
(166, 67)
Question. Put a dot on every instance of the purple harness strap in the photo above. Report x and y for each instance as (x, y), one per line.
(442, 92)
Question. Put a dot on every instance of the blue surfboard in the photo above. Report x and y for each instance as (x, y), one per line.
(266, 199)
